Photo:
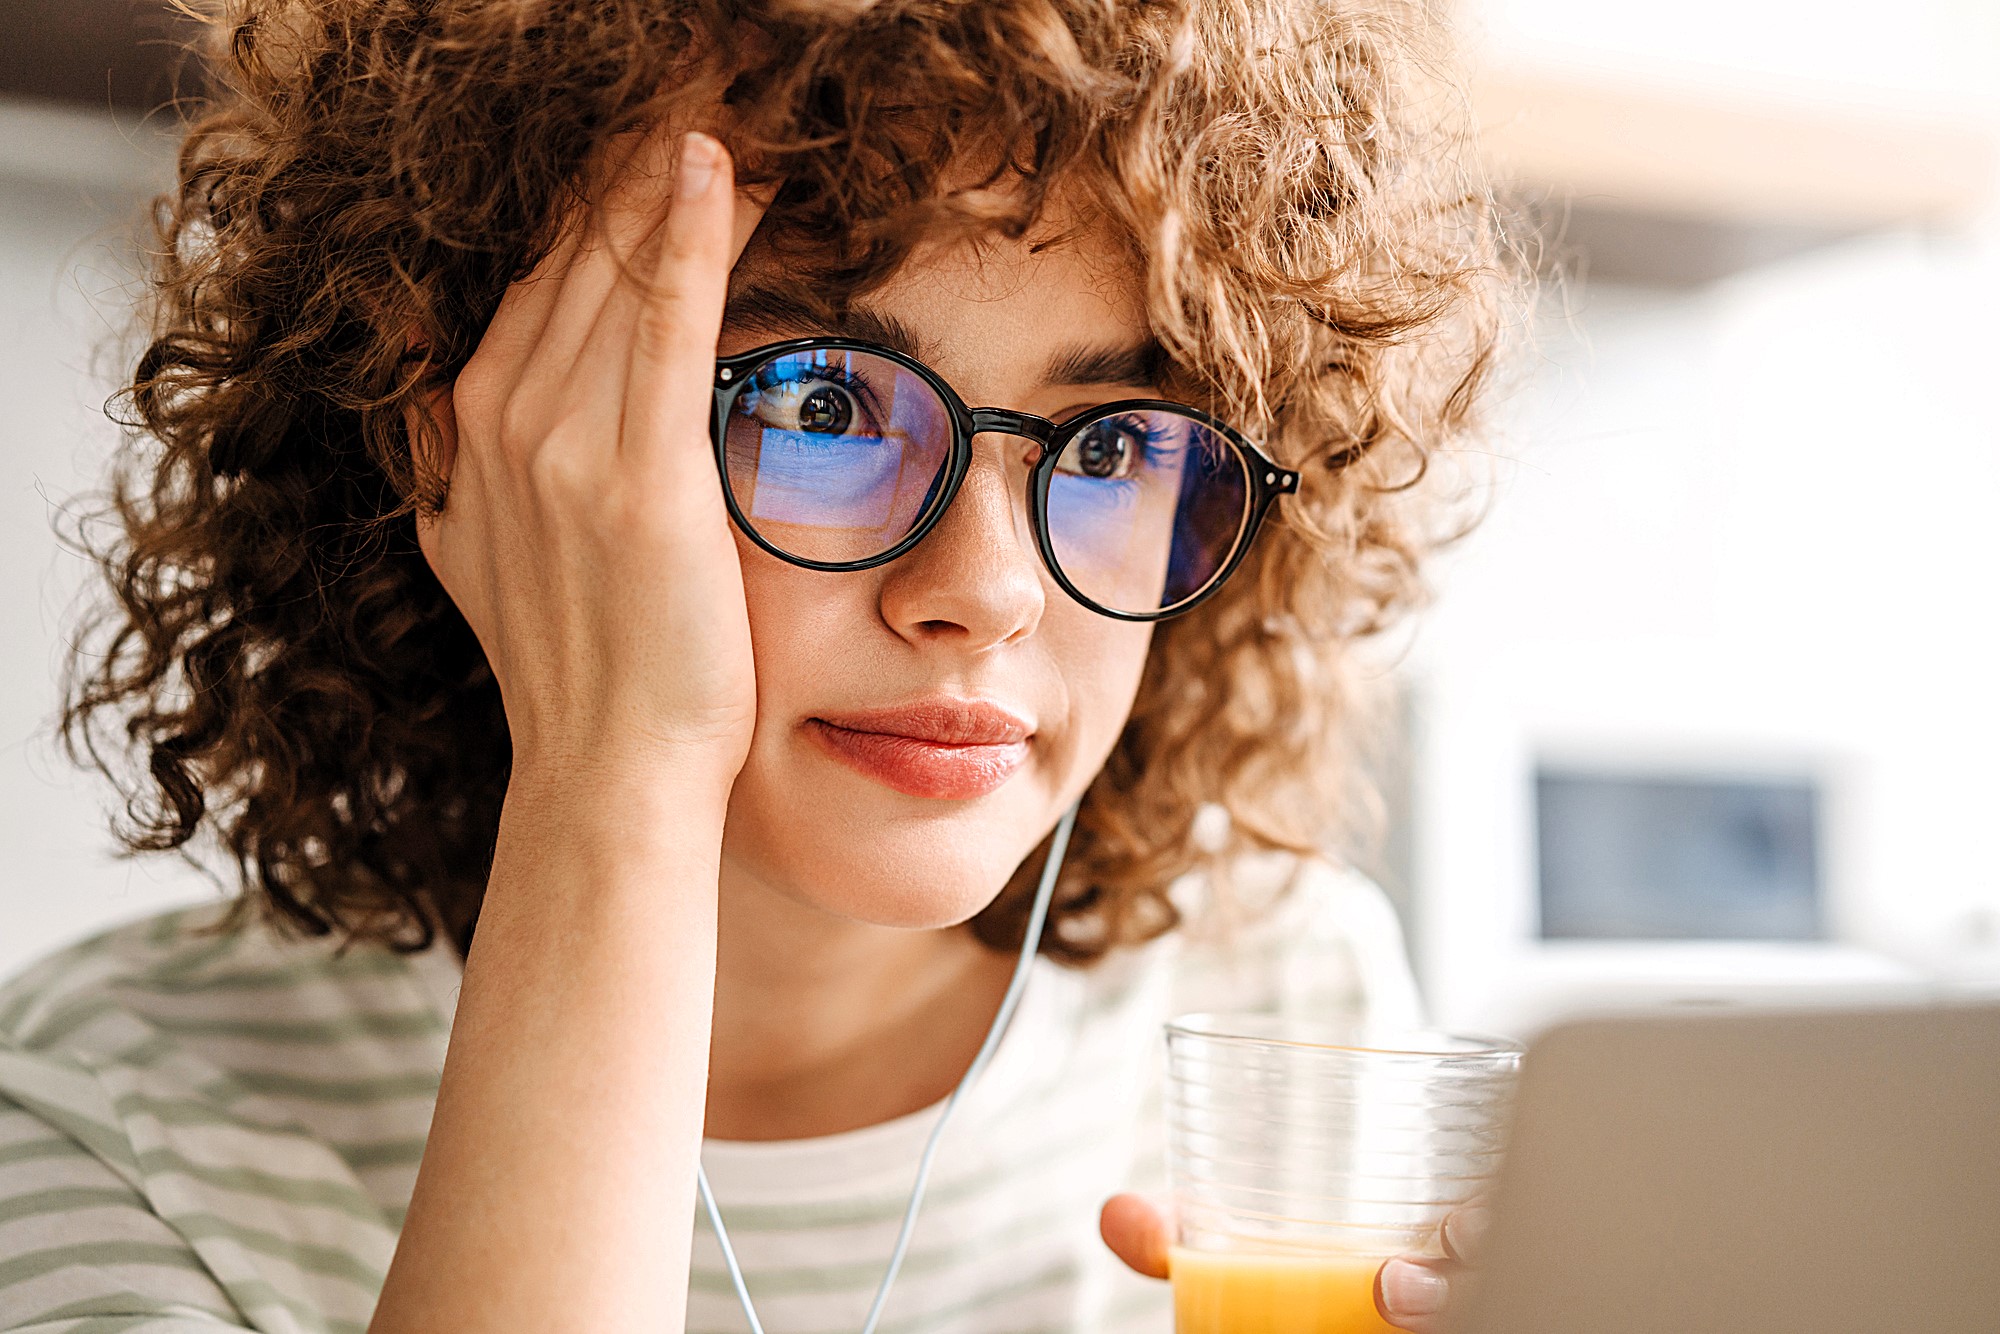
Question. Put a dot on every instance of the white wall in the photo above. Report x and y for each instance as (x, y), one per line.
(66, 186)
(1753, 525)
(1937, 50)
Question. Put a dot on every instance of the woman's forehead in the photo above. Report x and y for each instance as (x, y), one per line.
(992, 306)
(999, 280)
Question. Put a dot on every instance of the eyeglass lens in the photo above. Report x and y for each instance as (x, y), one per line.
(834, 455)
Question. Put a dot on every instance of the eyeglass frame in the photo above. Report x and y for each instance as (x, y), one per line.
(1266, 479)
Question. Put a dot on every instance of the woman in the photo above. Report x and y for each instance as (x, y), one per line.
(474, 593)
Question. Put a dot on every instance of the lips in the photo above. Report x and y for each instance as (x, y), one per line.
(944, 749)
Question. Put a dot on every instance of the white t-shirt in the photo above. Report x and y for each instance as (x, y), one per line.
(203, 1132)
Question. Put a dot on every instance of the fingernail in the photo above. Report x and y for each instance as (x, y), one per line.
(697, 165)
(1411, 1290)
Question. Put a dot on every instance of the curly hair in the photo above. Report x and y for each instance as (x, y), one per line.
(363, 180)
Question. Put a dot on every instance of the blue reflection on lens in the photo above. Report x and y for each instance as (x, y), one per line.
(1159, 534)
(1110, 536)
(823, 481)
(1086, 509)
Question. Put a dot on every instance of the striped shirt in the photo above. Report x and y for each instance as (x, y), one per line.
(206, 1130)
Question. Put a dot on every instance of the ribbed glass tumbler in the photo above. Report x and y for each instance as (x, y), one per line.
(1302, 1157)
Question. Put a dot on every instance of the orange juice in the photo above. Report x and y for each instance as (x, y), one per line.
(1227, 1292)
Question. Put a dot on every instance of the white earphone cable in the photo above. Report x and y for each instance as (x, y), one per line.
(1037, 917)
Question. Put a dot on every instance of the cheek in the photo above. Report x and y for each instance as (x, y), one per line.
(795, 616)
(1101, 660)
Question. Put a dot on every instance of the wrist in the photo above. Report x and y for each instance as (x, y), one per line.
(601, 847)
(683, 797)
(678, 776)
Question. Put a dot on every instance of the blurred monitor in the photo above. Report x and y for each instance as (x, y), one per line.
(1649, 856)
(1750, 1173)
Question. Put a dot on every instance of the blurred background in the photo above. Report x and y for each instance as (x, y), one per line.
(1705, 712)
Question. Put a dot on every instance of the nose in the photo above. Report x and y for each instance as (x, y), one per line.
(974, 581)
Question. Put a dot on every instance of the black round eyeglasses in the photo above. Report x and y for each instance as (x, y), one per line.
(838, 454)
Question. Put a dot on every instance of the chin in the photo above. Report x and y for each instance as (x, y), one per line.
(890, 861)
(874, 880)
(888, 897)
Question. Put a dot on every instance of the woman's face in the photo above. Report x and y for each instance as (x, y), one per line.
(848, 803)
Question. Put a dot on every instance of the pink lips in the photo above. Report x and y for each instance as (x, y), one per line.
(949, 749)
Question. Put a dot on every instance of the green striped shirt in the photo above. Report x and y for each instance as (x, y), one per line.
(205, 1130)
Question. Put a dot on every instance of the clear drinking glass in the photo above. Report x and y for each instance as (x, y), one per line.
(1301, 1157)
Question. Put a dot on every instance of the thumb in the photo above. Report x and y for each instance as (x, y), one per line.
(1135, 1228)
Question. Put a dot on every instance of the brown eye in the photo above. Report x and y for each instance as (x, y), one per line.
(1106, 448)
(827, 410)
(810, 403)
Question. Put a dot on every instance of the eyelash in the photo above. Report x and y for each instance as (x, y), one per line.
(1153, 452)
(1154, 448)
(838, 376)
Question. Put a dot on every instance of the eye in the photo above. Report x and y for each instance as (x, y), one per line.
(826, 409)
(1108, 448)
(809, 403)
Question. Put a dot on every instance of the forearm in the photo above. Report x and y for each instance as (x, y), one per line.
(558, 1179)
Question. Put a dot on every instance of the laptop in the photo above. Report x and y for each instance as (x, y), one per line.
(1751, 1173)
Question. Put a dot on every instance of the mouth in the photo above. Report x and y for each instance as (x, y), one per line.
(943, 749)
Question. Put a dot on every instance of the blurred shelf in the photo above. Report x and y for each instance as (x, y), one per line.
(93, 54)
(1651, 174)
(1693, 149)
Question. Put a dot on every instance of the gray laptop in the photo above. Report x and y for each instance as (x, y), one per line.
(1752, 1173)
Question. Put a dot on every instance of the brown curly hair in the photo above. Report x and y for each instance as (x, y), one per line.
(366, 177)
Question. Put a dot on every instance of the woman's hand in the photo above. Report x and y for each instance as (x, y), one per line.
(585, 540)
(584, 537)
(1410, 1291)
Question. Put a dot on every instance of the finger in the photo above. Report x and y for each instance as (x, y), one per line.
(515, 330)
(599, 364)
(519, 333)
(615, 241)
(1411, 1293)
(1136, 1231)
(636, 208)
(637, 180)
(674, 329)
(1464, 1231)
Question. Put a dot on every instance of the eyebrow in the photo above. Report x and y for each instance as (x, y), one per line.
(765, 307)
(1140, 363)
